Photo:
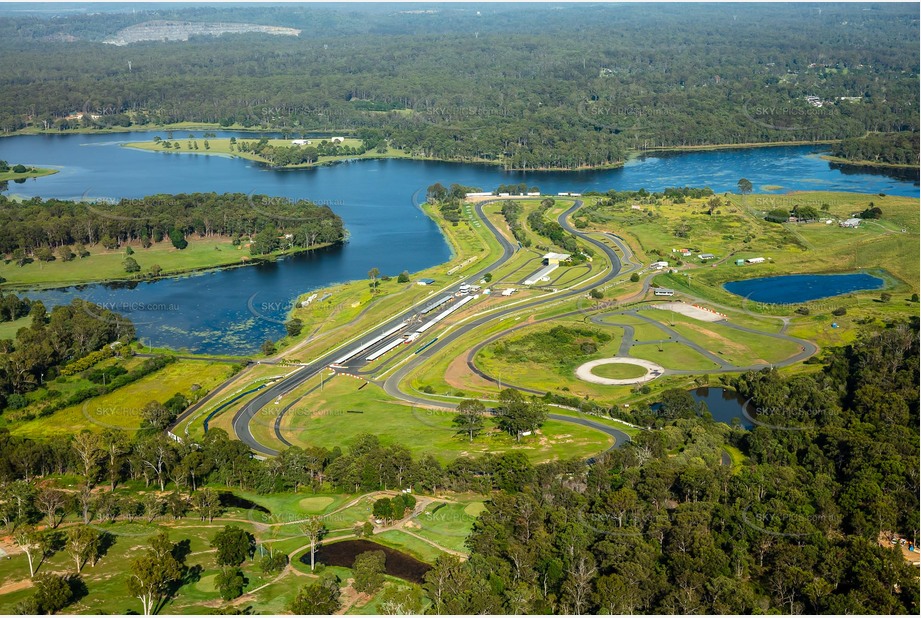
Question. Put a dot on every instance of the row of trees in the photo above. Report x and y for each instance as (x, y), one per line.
(552, 229)
(449, 200)
(12, 307)
(298, 155)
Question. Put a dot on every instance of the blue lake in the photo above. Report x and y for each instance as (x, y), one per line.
(786, 289)
(234, 311)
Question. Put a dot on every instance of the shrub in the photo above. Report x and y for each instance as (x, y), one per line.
(273, 563)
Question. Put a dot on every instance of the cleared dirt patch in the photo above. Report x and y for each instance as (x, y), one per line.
(691, 311)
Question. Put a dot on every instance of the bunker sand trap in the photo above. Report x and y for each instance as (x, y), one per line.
(653, 371)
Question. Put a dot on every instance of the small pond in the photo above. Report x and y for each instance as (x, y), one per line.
(789, 289)
(398, 564)
(724, 404)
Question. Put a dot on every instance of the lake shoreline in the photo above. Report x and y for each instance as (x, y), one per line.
(862, 163)
(632, 154)
(173, 274)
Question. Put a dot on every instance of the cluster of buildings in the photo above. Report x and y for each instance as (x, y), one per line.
(814, 100)
(307, 142)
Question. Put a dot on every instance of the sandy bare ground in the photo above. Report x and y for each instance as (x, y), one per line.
(653, 371)
(22, 584)
(460, 377)
(704, 315)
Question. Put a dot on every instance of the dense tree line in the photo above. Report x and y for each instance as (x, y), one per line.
(660, 526)
(449, 200)
(893, 148)
(54, 341)
(12, 307)
(531, 89)
(552, 229)
(512, 213)
(298, 155)
(36, 227)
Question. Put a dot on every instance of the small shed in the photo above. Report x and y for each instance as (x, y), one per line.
(555, 258)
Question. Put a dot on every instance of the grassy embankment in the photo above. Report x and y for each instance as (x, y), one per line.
(865, 163)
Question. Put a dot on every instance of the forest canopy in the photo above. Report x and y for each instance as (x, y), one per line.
(527, 89)
(53, 223)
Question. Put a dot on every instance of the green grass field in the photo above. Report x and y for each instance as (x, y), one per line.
(619, 371)
(31, 172)
(107, 581)
(122, 407)
(105, 265)
(341, 412)
(735, 346)
(450, 525)
(673, 356)
(8, 330)
(398, 539)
